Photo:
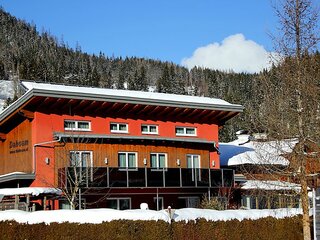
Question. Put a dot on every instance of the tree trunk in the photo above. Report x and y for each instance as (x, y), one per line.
(305, 209)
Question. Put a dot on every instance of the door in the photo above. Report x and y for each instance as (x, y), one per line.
(193, 161)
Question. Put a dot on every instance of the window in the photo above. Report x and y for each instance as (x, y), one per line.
(82, 165)
(149, 129)
(193, 162)
(186, 131)
(127, 160)
(189, 202)
(77, 125)
(119, 127)
(119, 203)
(158, 160)
(81, 158)
(158, 203)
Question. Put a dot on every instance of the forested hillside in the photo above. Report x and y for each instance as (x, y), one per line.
(26, 53)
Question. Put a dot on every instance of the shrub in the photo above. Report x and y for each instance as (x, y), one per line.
(212, 203)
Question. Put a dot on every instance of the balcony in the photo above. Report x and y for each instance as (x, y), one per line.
(112, 177)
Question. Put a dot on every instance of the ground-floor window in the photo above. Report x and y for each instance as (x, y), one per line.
(271, 201)
(65, 204)
(158, 203)
(119, 203)
(189, 202)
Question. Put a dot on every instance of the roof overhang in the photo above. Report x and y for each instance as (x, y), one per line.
(102, 101)
(15, 176)
(65, 136)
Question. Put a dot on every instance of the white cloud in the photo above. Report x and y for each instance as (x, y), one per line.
(234, 53)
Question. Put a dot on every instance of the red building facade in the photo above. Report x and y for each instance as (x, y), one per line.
(118, 148)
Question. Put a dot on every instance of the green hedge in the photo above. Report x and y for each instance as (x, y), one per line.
(267, 228)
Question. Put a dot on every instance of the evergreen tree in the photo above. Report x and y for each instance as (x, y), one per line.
(121, 81)
(164, 82)
(141, 80)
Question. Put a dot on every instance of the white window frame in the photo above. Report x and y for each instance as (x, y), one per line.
(158, 167)
(118, 128)
(196, 170)
(89, 167)
(76, 123)
(192, 161)
(81, 152)
(118, 201)
(148, 131)
(127, 161)
(185, 131)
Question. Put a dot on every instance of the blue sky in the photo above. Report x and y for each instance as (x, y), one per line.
(168, 30)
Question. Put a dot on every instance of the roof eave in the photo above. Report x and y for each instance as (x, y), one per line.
(135, 100)
(123, 99)
(17, 176)
(16, 105)
(124, 137)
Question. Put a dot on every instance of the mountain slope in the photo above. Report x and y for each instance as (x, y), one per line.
(28, 54)
(6, 91)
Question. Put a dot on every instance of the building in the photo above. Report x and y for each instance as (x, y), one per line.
(114, 148)
(259, 166)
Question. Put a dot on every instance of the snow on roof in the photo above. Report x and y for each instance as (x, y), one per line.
(34, 191)
(13, 173)
(270, 185)
(115, 93)
(246, 151)
(97, 216)
(16, 176)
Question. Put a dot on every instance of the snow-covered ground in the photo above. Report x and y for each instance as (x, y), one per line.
(97, 216)
(6, 91)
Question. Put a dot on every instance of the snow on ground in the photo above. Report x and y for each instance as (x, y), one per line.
(97, 216)
(82, 216)
(187, 214)
(6, 91)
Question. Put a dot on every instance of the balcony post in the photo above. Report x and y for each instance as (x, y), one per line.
(108, 177)
(195, 176)
(127, 170)
(157, 199)
(180, 176)
(145, 176)
(79, 198)
(163, 177)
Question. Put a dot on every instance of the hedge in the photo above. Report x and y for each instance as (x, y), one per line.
(266, 228)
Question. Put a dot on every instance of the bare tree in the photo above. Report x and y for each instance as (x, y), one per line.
(290, 105)
(77, 174)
